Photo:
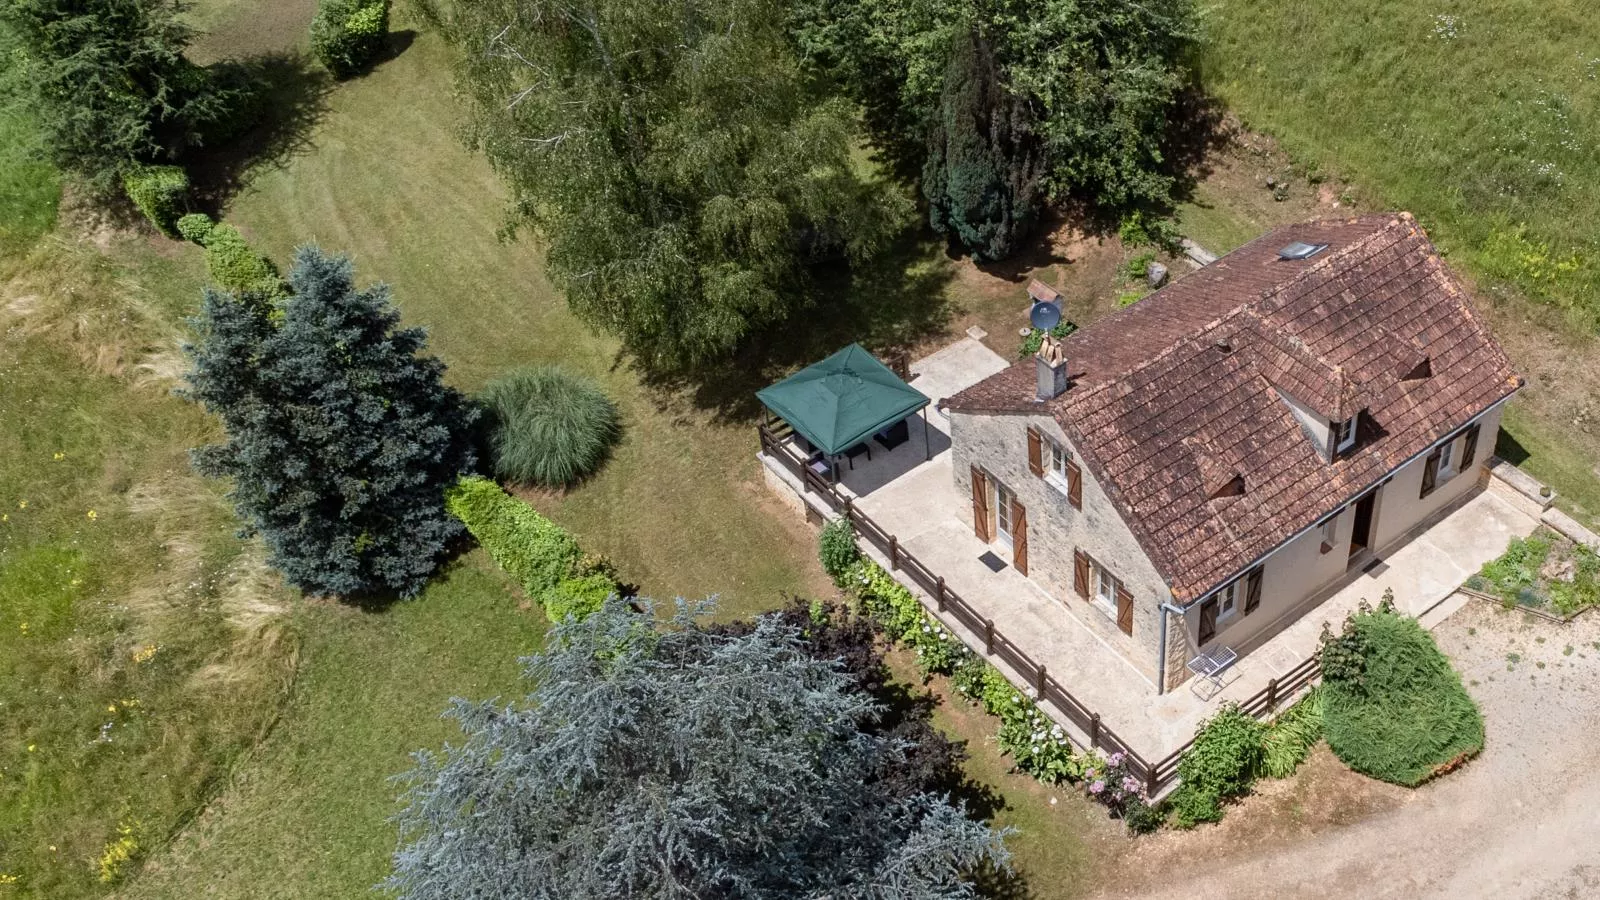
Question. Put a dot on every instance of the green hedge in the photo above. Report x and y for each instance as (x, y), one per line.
(231, 262)
(541, 555)
(1221, 766)
(160, 192)
(347, 35)
(1401, 715)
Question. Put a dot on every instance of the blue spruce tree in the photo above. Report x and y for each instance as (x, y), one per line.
(341, 438)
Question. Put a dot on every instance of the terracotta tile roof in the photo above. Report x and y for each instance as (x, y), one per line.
(1174, 395)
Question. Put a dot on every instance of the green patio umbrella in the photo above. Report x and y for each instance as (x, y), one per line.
(840, 401)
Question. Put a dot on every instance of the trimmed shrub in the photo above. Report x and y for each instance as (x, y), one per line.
(547, 427)
(195, 227)
(1290, 737)
(540, 554)
(837, 548)
(160, 193)
(236, 267)
(1220, 766)
(1407, 716)
(347, 35)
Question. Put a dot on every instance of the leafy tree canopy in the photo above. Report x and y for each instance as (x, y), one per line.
(678, 762)
(673, 159)
(110, 85)
(341, 438)
(1100, 74)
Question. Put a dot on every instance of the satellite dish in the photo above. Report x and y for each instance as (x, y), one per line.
(1044, 316)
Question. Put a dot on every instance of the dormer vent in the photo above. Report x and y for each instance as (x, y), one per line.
(1300, 250)
(1419, 371)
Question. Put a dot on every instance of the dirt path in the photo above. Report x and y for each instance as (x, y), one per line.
(1519, 822)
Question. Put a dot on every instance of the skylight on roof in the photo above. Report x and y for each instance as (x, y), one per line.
(1301, 250)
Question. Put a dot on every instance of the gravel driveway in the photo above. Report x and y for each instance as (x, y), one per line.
(1520, 821)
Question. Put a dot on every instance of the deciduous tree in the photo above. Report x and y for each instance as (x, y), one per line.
(674, 160)
(341, 438)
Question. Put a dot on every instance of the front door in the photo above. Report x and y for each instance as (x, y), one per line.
(1361, 527)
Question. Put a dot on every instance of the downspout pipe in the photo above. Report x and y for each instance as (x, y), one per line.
(1161, 658)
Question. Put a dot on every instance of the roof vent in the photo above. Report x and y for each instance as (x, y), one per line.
(1221, 345)
(1301, 250)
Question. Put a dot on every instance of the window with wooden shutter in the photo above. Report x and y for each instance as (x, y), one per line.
(1035, 452)
(1124, 610)
(1080, 574)
(1252, 590)
(1469, 446)
(1074, 485)
(980, 506)
(1019, 537)
(1208, 620)
(1430, 472)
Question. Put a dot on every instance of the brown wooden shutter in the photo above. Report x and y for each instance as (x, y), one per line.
(980, 506)
(1019, 537)
(1124, 610)
(1074, 485)
(1080, 573)
(1208, 620)
(1430, 473)
(1469, 449)
(1252, 590)
(1035, 452)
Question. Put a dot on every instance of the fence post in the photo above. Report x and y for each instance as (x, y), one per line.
(849, 506)
(894, 553)
(1038, 682)
(1150, 781)
(1094, 731)
(938, 594)
(1272, 695)
(988, 637)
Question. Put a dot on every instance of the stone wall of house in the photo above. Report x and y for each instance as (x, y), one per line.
(998, 444)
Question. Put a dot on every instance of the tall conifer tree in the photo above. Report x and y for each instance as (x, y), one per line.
(341, 437)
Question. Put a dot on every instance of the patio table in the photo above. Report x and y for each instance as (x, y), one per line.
(1211, 664)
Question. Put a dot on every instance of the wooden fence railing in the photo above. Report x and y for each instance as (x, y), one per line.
(1156, 776)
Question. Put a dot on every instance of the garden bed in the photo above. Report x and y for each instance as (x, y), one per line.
(1544, 572)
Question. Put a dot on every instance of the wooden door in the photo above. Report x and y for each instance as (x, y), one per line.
(980, 506)
(1019, 537)
(1208, 620)
(1124, 609)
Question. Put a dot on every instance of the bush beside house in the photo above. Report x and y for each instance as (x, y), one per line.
(541, 555)
(1393, 708)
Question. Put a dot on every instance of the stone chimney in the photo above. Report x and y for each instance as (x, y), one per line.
(1051, 362)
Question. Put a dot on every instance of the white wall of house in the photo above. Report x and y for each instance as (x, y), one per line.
(998, 444)
(1298, 574)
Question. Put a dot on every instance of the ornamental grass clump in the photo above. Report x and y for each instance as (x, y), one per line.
(547, 427)
(1220, 766)
(1404, 715)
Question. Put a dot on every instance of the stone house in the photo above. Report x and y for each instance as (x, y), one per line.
(1203, 467)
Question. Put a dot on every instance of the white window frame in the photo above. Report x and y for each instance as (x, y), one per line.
(1348, 428)
(1055, 464)
(1002, 512)
(1447, 461)
(1101, 579)
(1230, 604)
(1329, 530)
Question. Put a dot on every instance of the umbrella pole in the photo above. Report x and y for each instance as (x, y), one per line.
(927, 449)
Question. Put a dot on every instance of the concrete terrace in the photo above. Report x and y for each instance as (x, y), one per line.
(914, 498)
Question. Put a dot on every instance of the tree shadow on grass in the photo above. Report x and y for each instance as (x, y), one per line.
(291, 99)
(887, 306)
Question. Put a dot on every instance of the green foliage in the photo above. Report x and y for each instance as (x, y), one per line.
(30, 187)
(159, 192)
(903, 619)
(1290, 737)
(233, 264)
(341, 436)
(1220, 766)
(109, 85)
(984, 166)
(1031, 343)
(1137, 267)
(837, 548)
(1515, 577)
(748, 760)
(1142, 229)
(544, 558)
(683, 210)
(1583, 591)
(548, 427)
(1407, 717)
(1130, 297)
(1101, 79)
(347, 35)
(1517, 569)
